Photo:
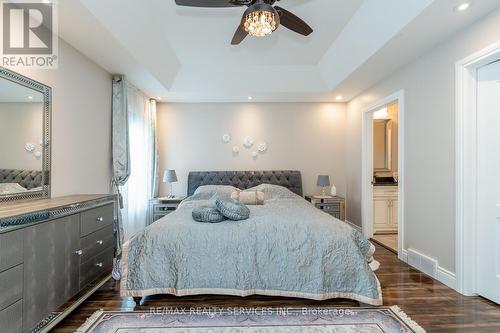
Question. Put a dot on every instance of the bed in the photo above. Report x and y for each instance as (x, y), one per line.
(287, 247)
(14, 181)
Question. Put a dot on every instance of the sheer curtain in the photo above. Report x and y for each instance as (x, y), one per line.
(141, 185)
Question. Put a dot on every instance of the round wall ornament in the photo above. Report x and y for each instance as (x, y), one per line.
(226, 138)
(248, 142)
(29, 147)
(263, 147)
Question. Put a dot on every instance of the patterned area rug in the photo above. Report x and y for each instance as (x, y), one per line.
(253, 320)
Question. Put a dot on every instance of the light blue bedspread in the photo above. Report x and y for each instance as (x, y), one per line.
(286, 248)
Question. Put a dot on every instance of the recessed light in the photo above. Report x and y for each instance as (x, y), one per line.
(30, 97)
(250, 98)
(462, 6)
(338, 98)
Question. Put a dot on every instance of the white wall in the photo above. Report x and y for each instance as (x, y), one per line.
(429, 85)
(20, 123)
(306, 137)
(81, 123)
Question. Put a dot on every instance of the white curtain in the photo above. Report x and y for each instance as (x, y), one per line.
(140, 187)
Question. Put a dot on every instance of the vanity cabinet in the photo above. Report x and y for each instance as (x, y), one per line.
(45, 262)
(385, 209)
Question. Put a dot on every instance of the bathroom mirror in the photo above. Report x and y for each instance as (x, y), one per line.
(382, 138)
(25, 108)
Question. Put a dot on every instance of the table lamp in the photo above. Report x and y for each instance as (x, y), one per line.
(170, 177)
(323, 181)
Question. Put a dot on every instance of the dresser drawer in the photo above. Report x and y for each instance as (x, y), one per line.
(11, 318)
(330, 208)
(96, 266)
(156, 217)
(95, 219)
(11, 249)
(165, 208)
(93, 244)
(11, 286)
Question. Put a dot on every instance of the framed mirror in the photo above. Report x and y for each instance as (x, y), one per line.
(382, 150)
(25, 134)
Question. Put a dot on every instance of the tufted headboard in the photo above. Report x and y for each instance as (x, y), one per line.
(26, 178)
(292, 180)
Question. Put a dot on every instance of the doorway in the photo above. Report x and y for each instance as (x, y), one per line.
(385, 176)
(478, 174)
(383, 172)
(488, 181)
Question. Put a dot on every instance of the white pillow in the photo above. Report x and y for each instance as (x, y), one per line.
(273, 191)
(248, 198)
(10, 188)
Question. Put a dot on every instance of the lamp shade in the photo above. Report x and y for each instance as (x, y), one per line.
(169, 176)
(323, 181)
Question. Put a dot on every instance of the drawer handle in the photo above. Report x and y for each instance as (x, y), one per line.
(99, 242)
(99, 264)
(79, 252)
(100, 219)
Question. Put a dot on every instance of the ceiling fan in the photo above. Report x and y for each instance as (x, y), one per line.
(260, 18)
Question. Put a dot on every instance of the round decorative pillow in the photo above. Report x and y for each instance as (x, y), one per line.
(208, 215)
(233, 210)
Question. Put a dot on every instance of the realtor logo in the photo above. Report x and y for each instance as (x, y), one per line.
(29, 36)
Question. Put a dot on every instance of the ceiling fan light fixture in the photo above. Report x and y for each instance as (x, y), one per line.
(260, 20)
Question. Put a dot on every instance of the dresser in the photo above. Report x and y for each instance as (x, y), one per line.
(335, 206)
(385, 209)
(50, 251)
(160, 207)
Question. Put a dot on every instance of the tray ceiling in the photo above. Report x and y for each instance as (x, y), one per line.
(184, 54)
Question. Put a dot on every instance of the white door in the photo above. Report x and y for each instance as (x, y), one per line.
(488, 182)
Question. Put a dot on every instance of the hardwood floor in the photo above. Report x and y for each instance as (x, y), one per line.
(434, 306)
(389, 241)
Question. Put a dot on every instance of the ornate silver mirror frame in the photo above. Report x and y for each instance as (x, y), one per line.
(46, 91)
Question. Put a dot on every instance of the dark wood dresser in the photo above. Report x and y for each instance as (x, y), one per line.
(52, 250)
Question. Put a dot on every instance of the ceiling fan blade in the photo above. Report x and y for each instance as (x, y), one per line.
(207, 3)
(239, 35)
(292, 22)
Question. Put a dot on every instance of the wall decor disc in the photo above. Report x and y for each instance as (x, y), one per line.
(248, 142)
(255, 155)
(236, 149)
(226, 138)
(263, 147)
(29, 147)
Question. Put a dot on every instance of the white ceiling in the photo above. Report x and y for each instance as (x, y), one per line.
(184, 54)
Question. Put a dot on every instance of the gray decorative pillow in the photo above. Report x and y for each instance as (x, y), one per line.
(208, 215)
(233, 210)
(206, 192)
(273, 191)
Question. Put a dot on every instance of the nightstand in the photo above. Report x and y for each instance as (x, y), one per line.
(160, 207)
(335, 206)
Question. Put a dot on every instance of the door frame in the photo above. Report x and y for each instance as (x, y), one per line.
(367, 167)
(465, 165)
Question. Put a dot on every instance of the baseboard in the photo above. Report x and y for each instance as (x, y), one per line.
(430, 266)
(447, 277)
(357, 227)
(403, 255)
